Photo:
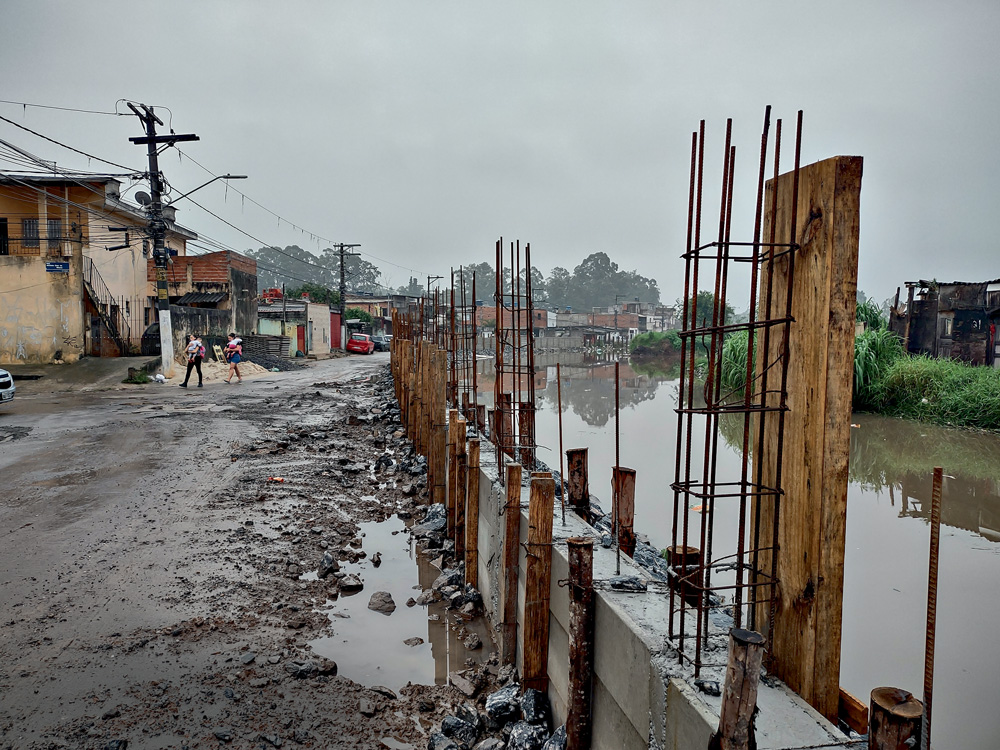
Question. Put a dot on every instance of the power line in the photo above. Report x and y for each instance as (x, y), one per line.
(76, 150)
(62, 109)
(292, 223)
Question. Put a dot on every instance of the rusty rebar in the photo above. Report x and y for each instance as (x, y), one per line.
(562, 476)
(932, 583)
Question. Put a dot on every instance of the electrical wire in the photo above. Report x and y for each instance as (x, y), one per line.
(75, 150)
(292, 224)
(63, 109)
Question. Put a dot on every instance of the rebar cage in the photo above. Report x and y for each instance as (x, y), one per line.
(714, 589)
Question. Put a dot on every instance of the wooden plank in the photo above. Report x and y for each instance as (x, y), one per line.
(452, 472)
(853, 712)
(623, 482)
(577, 482)
(472, 517)
(579, 721)
(511, 554)
(439, 437)
(739, 692)
(461, 487)
(538, 582)
(805, 644)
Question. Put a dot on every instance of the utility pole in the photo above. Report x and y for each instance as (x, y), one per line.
(157, 227)
(343, 293)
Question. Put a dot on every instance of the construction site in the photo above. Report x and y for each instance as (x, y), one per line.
(731, 637)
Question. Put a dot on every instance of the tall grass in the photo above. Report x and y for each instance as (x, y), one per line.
(875, 351)
(734, 362)
(942, 391)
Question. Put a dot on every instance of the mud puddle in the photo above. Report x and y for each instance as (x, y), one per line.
(370, 647)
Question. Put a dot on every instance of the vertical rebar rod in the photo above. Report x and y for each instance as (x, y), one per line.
(562, 476)
(681, 387)
(932, 583)
(475, 359)
(785, 353)
(615, 499)
(748, 374)
(531, 354)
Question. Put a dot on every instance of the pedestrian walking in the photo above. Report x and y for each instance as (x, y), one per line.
(234, 355)
(195, 354)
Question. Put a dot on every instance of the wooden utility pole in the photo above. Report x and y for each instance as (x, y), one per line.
(579, 722)
(342, 247)
(511, 556)
(538, 582)
(805, 642)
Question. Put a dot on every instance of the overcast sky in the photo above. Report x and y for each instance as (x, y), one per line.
(425, 130)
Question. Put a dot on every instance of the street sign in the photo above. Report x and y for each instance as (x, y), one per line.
(57, 266)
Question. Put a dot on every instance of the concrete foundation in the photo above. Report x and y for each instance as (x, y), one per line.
(643, 697)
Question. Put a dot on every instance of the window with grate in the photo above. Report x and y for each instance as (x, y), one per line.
(54, 233)
(29, 232)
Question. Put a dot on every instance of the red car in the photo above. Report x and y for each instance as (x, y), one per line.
(361, 343)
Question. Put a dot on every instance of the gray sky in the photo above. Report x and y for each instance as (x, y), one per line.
(424, 130)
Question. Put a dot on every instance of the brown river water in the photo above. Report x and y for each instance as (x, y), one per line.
(886, 564)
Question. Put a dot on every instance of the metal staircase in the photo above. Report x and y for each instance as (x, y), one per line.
(109, 309)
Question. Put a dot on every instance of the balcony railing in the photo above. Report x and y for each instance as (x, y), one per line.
(37, 246)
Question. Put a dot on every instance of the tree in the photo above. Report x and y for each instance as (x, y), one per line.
(359, 275)
(316, 293)
(292, 266)
(704, 310)
(356, 313)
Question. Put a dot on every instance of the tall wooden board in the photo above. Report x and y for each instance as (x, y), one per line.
(805, 644)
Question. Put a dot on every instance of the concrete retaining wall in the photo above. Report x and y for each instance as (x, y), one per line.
(642, 697)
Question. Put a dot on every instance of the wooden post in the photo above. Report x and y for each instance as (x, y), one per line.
(461, 488)
(538, 582)
(909, 317)
(739, 693)
(577, 482)
(581, 642)
(511, 555)
(452, 471)
(624, 481)
(439, 438)
(686, 562)
(805, 642)
(894, 723)
(472, 518)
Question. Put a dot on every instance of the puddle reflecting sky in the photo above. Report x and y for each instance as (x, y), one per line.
(367, 645)
(887, 533)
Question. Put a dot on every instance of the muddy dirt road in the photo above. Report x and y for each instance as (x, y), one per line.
(157, 589)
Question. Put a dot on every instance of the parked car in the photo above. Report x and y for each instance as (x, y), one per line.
(7, 387)
(361, 343)
(381, 342)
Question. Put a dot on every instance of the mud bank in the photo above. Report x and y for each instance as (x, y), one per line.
(161, 574)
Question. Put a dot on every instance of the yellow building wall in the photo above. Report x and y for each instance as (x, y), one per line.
(41, 313)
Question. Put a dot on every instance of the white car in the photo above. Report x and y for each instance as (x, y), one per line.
(7, 387)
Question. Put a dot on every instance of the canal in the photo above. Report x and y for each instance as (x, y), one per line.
(887, 531)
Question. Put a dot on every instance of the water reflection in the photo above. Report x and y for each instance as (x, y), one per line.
(885, 569)
(896, 457)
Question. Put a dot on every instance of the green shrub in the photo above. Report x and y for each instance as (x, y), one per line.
(870, 313)
(875, 351)
(656, 344)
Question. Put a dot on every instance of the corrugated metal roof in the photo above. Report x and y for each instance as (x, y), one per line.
(197, 298)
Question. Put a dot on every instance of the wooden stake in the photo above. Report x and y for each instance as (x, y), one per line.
(578, 484)
(439, 438)
(624, 482)
(511, 555)
(461, 488)
(895, 719)
(581, 642)
(452, 471)
(739, 695)
(472, 518)
(537, 583)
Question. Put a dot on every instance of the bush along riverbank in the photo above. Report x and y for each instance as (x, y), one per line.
(891, 382)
